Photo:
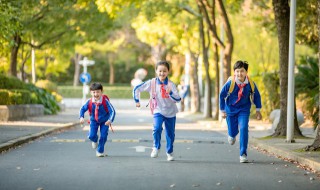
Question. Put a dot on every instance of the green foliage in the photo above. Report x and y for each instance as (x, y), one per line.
(269, 88)
(114, 92)
(307, 86)
(46, 84)
(4, 94)
(23, 93)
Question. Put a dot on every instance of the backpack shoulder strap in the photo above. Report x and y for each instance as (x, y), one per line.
(231, 85)
(153, 87)
(251, 84)
(90, 106)
(104, 102)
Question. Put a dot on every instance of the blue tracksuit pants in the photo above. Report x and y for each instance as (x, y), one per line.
(93, 136)
(169, 123)
(236, 122)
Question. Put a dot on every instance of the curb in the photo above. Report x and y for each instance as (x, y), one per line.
(314, 165)
(24, 139)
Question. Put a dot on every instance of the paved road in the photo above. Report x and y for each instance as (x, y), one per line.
(204, 160)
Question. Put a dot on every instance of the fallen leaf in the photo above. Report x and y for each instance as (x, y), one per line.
(280, 181)
(36, 169)
(218, 183)
(311, 178)
(18, 168)
(195, 185)
(173, 185)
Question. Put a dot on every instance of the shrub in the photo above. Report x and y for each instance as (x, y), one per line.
(18, 96)
(46, 84)
(4, 94)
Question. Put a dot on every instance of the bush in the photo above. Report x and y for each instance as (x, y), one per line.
(4, 94)
(46, 84)
(26, 94)
(18, 96)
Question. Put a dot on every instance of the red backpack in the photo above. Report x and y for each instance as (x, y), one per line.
(104, 103)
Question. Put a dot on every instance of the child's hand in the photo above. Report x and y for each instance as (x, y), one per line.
(168, 90)
(258, 115)
(224, 115)
(81, 120)
(138, 105)
(108, 123)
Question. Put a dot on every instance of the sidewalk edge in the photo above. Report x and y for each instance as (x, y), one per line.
(25, 139)
(286, 154)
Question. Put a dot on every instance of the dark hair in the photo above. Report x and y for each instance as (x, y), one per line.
(241, 64)
(96, 86)
(165, 63)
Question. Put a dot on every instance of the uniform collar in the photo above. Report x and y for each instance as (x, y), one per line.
(165, 81)
(94, 101)
(239, 82)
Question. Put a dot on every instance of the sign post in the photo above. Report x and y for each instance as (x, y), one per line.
(85, 77)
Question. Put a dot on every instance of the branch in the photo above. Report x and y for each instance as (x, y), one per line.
(47, 41)
(211, 27)
(190, 10)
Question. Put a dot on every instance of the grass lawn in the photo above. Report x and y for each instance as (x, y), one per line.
(115, 92)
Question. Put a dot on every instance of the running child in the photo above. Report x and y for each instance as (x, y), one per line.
(164, 96)
(101, 114)
(235, 106)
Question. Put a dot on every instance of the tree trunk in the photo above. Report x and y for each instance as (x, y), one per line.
(229, 43)
(217, 82)
(14, 55)
(194, 85)
(207, 98)
(76, 75)
(316, 143)
(282, 16)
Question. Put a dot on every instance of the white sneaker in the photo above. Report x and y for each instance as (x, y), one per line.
(170, 157)
(98, 154)
(94, 145)
(155, 152)
(231, 140)
(243, 159)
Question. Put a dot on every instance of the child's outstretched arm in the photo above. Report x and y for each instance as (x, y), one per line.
(173, 93)
(145, 86)
(83, 110)
(257, 102)
(112, 113)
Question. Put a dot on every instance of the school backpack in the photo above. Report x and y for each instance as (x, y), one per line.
(104, 103)
(152, 101)
(232, 87)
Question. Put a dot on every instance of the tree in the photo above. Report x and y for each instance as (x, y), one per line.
(316, 143)
(282, 16)
(45, 24)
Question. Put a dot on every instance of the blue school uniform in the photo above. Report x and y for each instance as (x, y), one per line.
(238, 112)
(104, 116)
(165, 111)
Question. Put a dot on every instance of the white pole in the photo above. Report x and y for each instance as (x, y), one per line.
(290, 106)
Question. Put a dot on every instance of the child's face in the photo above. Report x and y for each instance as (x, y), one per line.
(241, 74)
(162, 72)
(96, 94)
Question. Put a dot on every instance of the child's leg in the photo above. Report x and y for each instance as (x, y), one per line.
(232, 122)
(170, 133)
(157, 130)
(103, 137)
(243, 120)
(93, 131)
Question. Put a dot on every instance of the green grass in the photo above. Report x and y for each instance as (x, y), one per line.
(119, 92)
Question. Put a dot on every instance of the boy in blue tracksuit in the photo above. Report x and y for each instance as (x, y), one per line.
(235, 107)
(166, 96)
(102, 115)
